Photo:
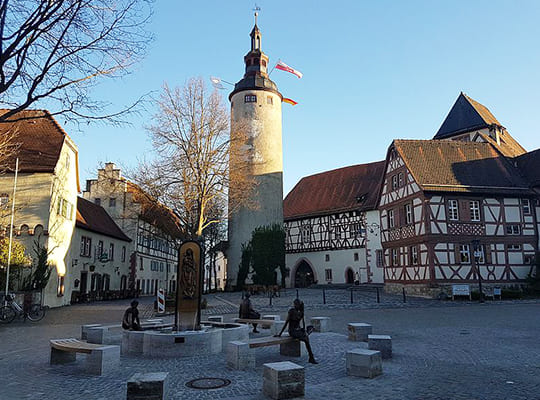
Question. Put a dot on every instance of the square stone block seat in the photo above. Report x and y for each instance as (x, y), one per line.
(85, 328)
(276, 327)
(239, 356)
(321, 324)
(382, 343)
(100, 359)
(283, 380)
(148, 386)
(364, 363)
(132, 342)
(359, 331)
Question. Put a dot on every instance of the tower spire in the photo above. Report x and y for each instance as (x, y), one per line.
(256, 9)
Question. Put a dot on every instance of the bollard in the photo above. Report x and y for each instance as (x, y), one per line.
(351, 296)
(297, 293)
(404, 296)
(378, 297)
(270, 296)
(323, 296)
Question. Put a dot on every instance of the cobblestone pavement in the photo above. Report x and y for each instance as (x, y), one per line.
(442, 350)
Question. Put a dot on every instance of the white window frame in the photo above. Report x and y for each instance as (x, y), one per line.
(391, 219)
(464, 254)
(513, 229)
(414, 255)
(474, 209)
(400, 179)
(408, 214)
(394, 182)
(526, 206)
(453, 210)
(395, 257)
(328, 274)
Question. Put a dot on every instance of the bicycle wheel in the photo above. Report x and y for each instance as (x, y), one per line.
(6, 315)
(36, 313)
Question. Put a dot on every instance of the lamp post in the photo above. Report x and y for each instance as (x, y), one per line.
(477, 253)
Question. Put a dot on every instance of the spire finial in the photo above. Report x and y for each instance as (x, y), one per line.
(256, 9)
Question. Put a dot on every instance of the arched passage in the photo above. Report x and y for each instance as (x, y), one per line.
(349, 275)
(304, 275)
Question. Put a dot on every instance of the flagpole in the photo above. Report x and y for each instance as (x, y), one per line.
(274, 67)
(11, 230)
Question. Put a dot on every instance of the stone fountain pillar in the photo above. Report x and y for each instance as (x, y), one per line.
(189, 286)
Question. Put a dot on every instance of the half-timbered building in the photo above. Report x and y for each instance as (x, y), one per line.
(452, 210)
(332, 229)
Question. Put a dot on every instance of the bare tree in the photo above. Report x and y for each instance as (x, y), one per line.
(192, 145)
(55, 50)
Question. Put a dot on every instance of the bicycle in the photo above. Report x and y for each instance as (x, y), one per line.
(12, 309)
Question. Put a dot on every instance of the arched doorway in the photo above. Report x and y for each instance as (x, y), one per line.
(349, 276)
(304, 275)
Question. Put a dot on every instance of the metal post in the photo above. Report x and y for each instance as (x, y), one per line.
(351, 296)
(378, 297)
(476, 256)
(323, 296)
(270, 296)
(297, 294)
(404, 295)
(11, 230)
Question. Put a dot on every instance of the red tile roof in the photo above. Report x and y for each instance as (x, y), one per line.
(156, 213)
(40, 138)
(350, 188)
(529, 165)
(94, 218)
(448, 165)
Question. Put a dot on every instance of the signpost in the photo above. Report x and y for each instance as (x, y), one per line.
(161, 301)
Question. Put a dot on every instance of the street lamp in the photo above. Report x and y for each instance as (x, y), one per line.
(477, 253)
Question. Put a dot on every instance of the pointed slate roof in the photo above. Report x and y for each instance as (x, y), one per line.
(94, 218)
(350, 188)
(456, 166)
(466, 115)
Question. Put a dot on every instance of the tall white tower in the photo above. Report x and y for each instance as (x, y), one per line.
(256, 110)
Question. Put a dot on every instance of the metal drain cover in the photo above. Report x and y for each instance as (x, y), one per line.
(208, 383)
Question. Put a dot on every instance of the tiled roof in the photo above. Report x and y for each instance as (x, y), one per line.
(156, 213)
(509, 147)
(94, 218)
(465, 115)
(447, 165)
(529, 165)
(350, 188)
(40, 138)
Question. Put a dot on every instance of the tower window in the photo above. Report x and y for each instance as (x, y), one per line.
(263, 63)
(250, 98)
(269, 100)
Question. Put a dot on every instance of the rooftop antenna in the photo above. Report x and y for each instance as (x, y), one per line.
(256, 9)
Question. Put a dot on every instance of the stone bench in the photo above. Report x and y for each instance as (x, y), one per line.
(364, 363)
(148, 386)
(100, 359)
(321, 324)
(382, 343)
(283, 380)
(239, 355)
(269, 317)
(112, 334)
(359, 331)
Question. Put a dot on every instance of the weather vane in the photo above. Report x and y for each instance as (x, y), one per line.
(256, 9)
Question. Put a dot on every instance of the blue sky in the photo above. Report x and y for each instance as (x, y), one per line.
(373, 71)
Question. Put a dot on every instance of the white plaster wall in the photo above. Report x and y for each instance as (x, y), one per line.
(339, 261)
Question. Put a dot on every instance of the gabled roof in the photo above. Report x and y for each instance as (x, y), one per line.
(350, 188)
(465, 115)
(508, 146)
(94, 218)
(529, 165)
(40, 138)
(156, 213)
(456, 166)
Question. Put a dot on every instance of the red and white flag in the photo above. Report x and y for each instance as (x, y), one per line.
(284, 67)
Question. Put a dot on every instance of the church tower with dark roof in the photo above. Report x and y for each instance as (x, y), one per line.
(255, 114)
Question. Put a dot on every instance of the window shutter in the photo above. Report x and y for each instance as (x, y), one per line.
(456, 254)
(464, 210)
(487, 250)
